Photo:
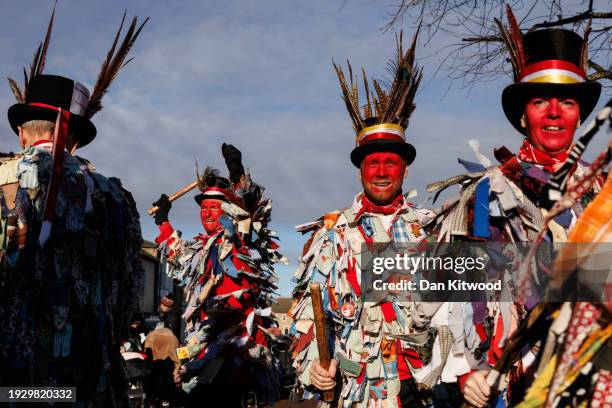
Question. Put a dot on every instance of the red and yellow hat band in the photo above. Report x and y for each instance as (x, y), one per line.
(553, 72)
(389, 131)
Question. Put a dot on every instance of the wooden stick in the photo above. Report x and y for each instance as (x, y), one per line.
(175, 196)
(321, 333)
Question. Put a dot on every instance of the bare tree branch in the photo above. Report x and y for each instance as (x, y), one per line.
(472, 51)
(570, 20)
(601, 73)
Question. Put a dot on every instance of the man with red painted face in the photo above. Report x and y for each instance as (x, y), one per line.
(549, 99)
(371, 366)
(228, 279)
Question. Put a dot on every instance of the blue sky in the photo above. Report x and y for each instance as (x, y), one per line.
(256, 74)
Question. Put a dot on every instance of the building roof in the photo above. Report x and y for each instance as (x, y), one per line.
(282, 305)
(149, 250)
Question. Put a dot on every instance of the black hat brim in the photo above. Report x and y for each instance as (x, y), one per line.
(515, 97)
(82, 129)
(406, 150)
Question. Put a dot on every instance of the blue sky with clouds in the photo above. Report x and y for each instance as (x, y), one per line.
(256, 74)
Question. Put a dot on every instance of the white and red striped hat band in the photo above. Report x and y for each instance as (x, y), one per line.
(214, 192)
(385, 131)
(553, 72)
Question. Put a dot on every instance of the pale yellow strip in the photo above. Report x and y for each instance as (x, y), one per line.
(555, 79)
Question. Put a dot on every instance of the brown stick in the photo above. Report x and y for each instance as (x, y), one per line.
(321, 333)
(175, 196)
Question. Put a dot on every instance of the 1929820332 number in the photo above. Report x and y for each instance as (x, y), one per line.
(48, 394)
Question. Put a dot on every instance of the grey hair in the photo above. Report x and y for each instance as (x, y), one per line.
(38, 127)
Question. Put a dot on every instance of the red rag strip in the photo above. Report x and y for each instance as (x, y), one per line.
(351, 276)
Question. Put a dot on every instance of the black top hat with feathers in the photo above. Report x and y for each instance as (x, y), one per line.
(386, 112)
(212, 186)
(43, 94)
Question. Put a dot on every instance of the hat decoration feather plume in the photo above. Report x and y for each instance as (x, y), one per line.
(206, 179)
(584, 58)
(513, 40)
(38, 63)
(113, 63)
(392, 105)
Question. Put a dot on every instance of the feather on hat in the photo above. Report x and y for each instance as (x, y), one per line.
(386, 112)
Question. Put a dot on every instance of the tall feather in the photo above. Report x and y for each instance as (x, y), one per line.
(584, 55)
(113, 63)
(392, 106)
(368, 107)
(352, 105)
(43, 53)
(207, 178)
(38, 62)
(513, 41)
(517, 38)
(404, 86)
(33, 67)
(507, 40)
(16, 90)
(382, 97)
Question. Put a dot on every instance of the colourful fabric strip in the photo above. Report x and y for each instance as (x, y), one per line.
(481, 210)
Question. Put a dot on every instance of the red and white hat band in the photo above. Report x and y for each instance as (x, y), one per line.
(215, 193)
(554, 72)
(389, 131)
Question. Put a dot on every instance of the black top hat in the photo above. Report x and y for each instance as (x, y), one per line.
(553, 66)
(212, 186)
(45, 94)
(386, 137)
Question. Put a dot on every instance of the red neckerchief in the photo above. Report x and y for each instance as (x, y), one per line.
(528, 153)
(369, 207)
(206, 236)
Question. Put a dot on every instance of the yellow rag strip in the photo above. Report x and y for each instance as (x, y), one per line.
(586, 352)
(538, 392)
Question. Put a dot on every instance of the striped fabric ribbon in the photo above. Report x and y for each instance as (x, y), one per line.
(558, 181)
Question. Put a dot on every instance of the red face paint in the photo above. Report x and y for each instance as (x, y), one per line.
(551, 123)
(382, 175)
(210, 212)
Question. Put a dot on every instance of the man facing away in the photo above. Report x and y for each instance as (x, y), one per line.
(71, 274)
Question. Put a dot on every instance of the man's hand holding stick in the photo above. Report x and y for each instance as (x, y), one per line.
(322, 372)
(174, 196)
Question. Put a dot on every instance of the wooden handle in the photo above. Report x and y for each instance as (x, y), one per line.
(175, 196)
(321, 333)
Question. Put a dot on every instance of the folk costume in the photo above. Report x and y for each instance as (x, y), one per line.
(70, 239)
(374, 366)
(229, 281)
(574, 366)
(509, 202)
